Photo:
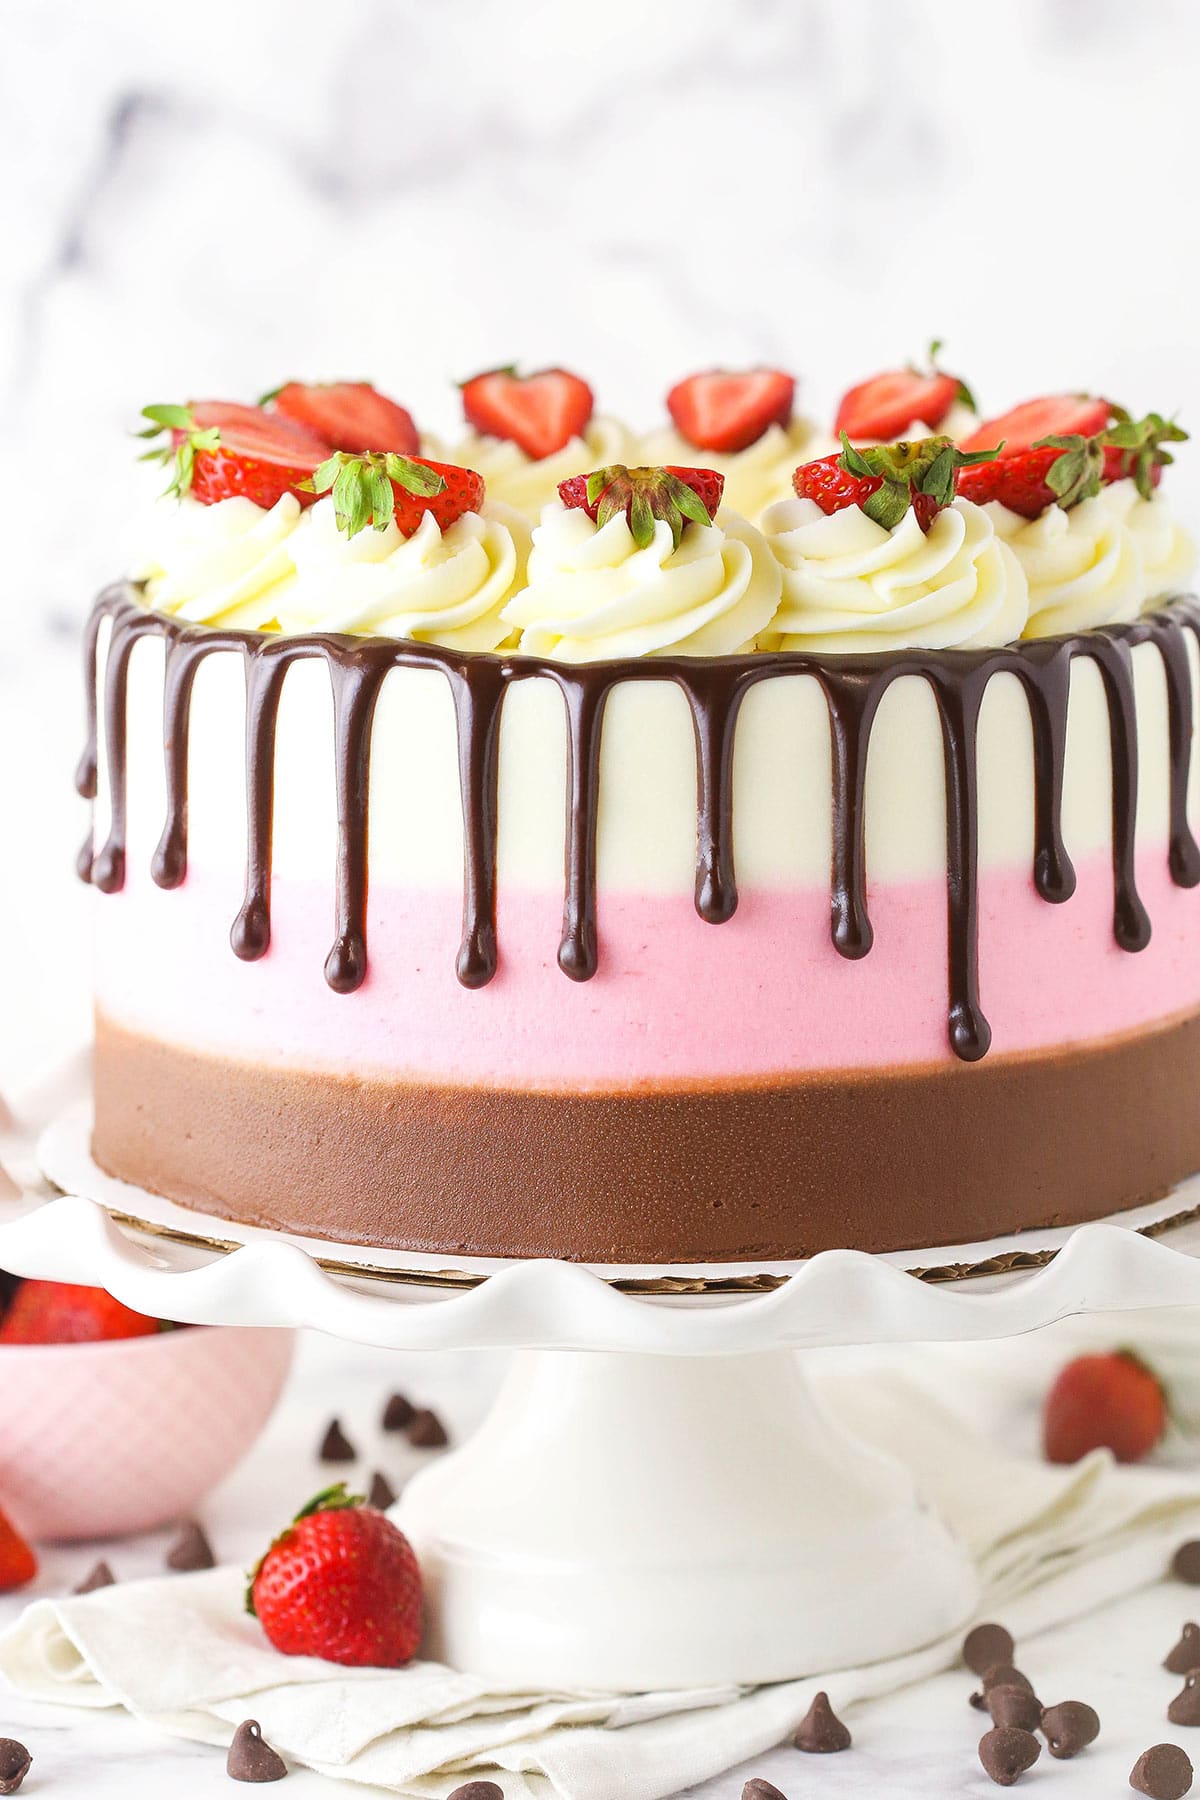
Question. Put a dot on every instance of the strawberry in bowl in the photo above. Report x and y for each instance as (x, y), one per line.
(112, 1422)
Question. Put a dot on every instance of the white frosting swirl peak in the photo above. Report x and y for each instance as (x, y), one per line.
(220, 565)
(593, 594)
(446, 587)
(851, 586)
(1099, 563)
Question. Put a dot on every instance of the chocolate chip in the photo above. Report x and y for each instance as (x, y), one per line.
(986, 1646)
(820, 1731)
(1164, 1772)
(335, 1445)
(758, 1789)
(15, 1764)
(1006, 1753)
(979, 1700)
(381, 1494)
(1014, 1706)
(1185, 1707)
(1185, 1564)
(1186, 1654)
(1069, 1728)
(426, 1430)
(1004, 1675)
(251, 1758)
(397, 1413)
(191, 1549)
(477, 1790)
(100, 1577)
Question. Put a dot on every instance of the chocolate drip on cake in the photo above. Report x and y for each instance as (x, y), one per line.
(853, 687)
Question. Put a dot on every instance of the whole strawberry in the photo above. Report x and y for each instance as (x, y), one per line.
(340, 1583)
(885, 480)
(1110, 1401)
(58, 1312)
(18, 1564)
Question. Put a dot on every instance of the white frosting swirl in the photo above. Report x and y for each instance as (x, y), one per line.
(220, 565)
(529, 483)
(1099, 563)
(850, 586)
(593, 594)
(754, 477)
(290, 570)
(445, 587)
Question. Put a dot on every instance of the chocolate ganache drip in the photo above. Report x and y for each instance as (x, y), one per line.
(714, 688)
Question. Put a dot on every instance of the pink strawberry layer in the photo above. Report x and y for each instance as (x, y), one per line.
(675, 1001)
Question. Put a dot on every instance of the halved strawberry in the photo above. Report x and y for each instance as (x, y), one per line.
(889, 403)
(672, 494)
(726, 409)
(1059, 472)
(220, 449)
(1054, 415)
(376, 487)
(885, 480)
(348, 415)
(540, 413)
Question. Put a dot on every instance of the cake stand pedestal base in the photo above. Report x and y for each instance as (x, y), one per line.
(644, 1522)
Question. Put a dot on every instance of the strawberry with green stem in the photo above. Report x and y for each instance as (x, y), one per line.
(885, 480)
(1066, 468)
(644, 496)
(374, 488)
(342, 1583)
(219, 450)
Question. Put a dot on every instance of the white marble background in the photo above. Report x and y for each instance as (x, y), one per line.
(209, 199)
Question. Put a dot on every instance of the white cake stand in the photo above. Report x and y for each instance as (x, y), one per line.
(656, 1499)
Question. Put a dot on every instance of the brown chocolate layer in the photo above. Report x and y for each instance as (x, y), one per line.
(873, 1160)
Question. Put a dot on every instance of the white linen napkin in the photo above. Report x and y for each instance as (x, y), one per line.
(1051, 1544)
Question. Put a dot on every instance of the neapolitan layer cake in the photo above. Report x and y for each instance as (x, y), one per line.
(519, 850)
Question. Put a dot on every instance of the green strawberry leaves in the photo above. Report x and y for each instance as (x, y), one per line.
(1141, 440)
(361, 486)
(1075, 475)
(925, 466)
(180, 457)
(644, 496)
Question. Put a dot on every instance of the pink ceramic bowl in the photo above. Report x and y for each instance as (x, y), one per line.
(97, 1440)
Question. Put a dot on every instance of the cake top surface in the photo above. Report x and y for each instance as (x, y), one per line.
(740, 527)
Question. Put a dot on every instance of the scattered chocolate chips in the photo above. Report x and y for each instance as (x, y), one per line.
(820, 1731)
(191, 1549)
(381, 1494)
(1185, 1564)
(1186, 1654)
(15, 1764)
(1014, 1706)
(1185, 1707)
(1069, 1728)
(758, 1789)
(987, 1646)
(251, 1758)
(1006, 1753)
(426, 1431)
(100, 1577)
(477, 1790)
(397, 1413)
(335, 1445)
(1164, 1772)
